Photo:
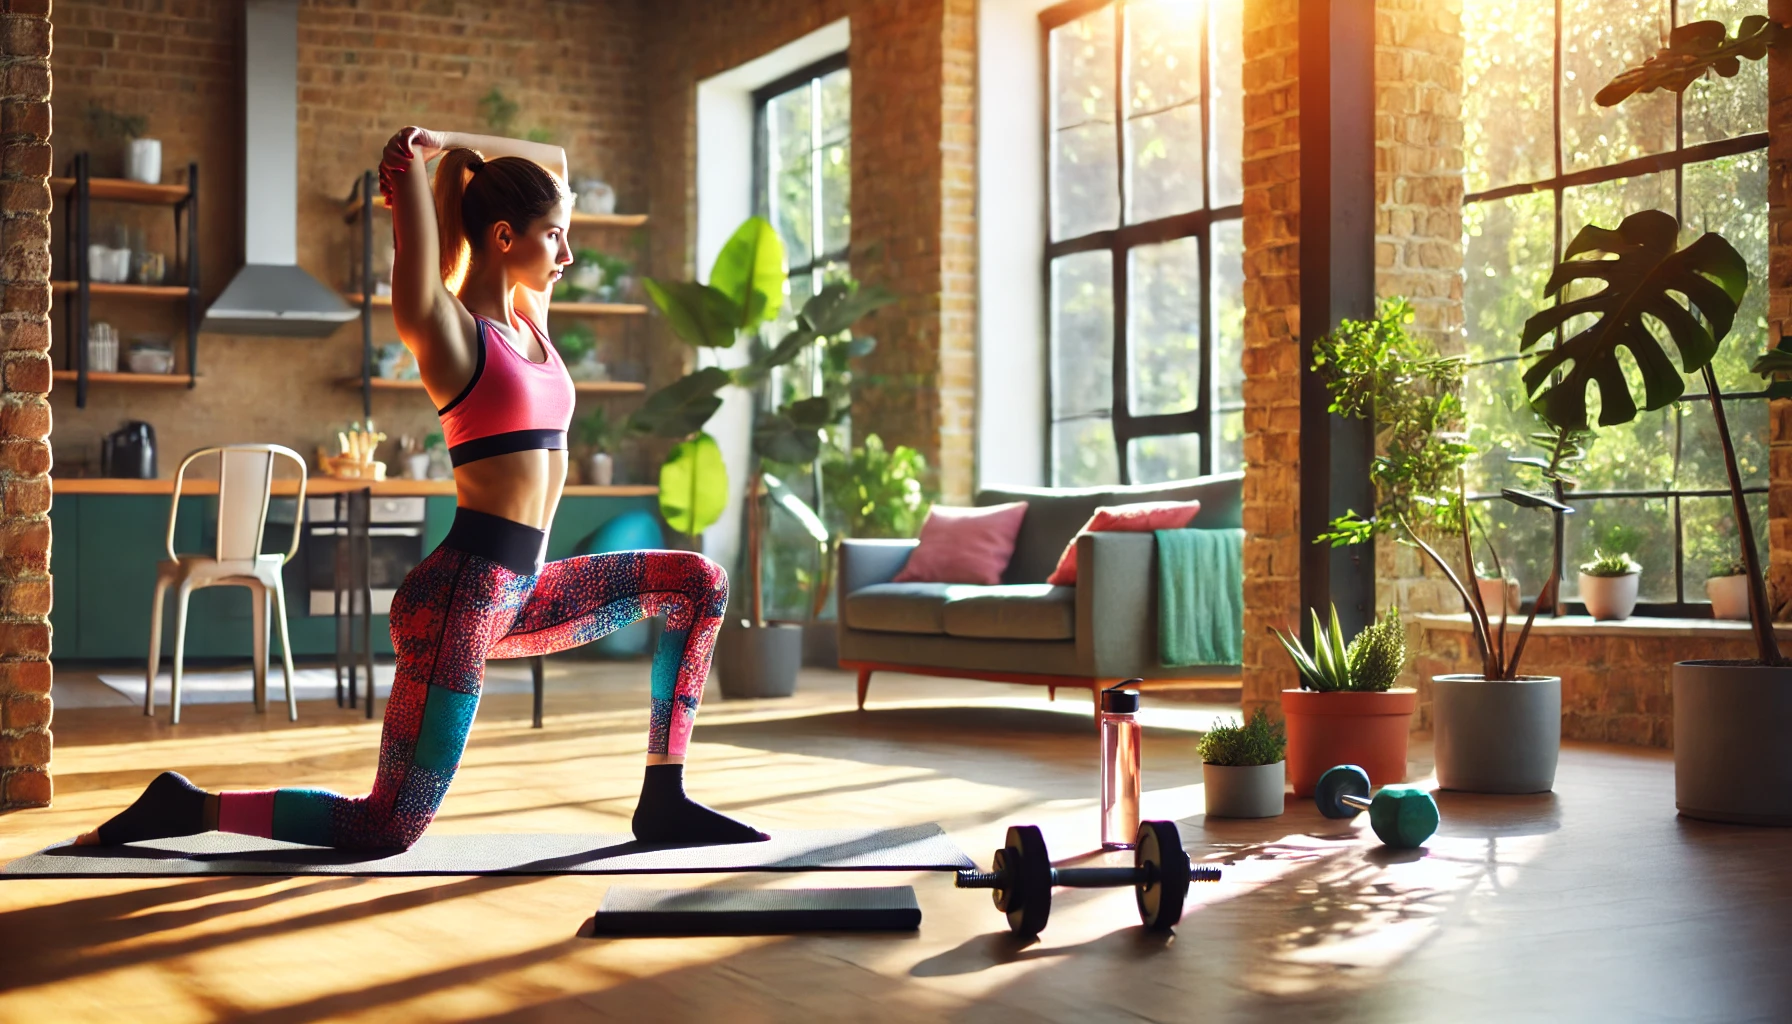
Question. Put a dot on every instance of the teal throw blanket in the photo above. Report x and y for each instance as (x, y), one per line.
(1200, 597)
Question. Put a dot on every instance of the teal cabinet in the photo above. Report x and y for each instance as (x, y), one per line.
(104, 553)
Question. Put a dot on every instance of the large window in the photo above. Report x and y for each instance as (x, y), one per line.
(1543, 160)
(1145, 263)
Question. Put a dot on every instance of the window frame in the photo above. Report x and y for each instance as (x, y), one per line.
(1119, 242)
(808, 75)
(1676, 160)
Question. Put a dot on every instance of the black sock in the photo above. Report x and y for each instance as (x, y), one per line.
(665, 815)
(171, 806)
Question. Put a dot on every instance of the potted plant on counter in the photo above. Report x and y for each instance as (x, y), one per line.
(1608, 585)
(1242, 767)
(1727, 588)
(1347, 710)
(1495, 731)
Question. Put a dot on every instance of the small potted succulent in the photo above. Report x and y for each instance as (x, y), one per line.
(1242, 767)
(1608, 585)
(1347, 710)
(1728, 588)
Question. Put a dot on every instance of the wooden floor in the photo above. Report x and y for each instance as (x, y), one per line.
(1592, 904)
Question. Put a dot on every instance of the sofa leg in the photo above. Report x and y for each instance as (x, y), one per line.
(864, 684)
(1051, 693)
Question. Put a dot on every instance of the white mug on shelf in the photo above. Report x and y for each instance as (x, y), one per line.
(145, 161)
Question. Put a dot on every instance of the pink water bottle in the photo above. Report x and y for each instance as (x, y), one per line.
(1119, 766)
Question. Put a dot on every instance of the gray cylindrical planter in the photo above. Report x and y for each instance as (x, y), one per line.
(1253, 791)
(1609, 597)
(1732, 761)
(759, 661)
(1496, 736)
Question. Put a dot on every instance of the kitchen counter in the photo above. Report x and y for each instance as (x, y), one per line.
(318, 485)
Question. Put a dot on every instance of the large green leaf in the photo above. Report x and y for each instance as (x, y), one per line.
(840, 304)
(750, 272)
(1641, 283)
(693, 485)
(682, 407)
(698, 313)
(1693, 50)
(797, 507)
(776, 436)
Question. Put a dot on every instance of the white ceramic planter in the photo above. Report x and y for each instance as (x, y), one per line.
(1493, 590)
(1252, 791)
(600, 469)
(1498, 736)
(1729, 596)
(1732, 760)
(1609, 597)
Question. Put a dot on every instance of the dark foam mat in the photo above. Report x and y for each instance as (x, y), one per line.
(908, 848)
(628, 911)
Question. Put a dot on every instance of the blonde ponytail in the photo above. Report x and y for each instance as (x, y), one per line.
(453, 172)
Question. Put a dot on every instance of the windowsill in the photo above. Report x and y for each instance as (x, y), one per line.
(1586, 625)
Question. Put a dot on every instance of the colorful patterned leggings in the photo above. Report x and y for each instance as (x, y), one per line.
(455, 610)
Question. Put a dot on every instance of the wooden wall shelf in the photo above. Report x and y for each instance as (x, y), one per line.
(123, 190)
(592, 387)
(130, 291)
(153, 380)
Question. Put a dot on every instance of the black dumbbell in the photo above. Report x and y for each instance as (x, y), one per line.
(1023, 877)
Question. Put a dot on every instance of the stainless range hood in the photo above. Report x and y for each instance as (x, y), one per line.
(272, 294)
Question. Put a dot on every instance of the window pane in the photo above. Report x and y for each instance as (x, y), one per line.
(1509, 255)
(1524, 540)
(787, 119)
(1156, 460)
(1729, 196)
(1719, 108)
(836, 105)
(1225, 105)
(1500, 423)
(1508, 102)
(794, 214)
(1163, 54)
(1600, 39)
(1085, 180)
(836, 197)
(1644, 527)
(1163, 154)
(1164, 327)
(1702, 453)
(1083, 454)
(1227, 305)
(1082, 334)
(1708, 530)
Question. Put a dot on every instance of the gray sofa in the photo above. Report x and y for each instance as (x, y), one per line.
(1091, 635)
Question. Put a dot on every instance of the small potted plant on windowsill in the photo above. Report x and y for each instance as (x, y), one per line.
(1608, 585)
(1728, 588)
(1243, 770)
(1347, 710)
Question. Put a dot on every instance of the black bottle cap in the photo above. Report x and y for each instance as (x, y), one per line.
(1118, 701)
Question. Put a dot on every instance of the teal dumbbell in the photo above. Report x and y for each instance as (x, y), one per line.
(1403, 816)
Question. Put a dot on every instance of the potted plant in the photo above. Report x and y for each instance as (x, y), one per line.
(1495, 731)
(1608, 585)
(746, 289)
(596, 433)
(1242, 768)
(1498, 590)
(1727, 587)
(1347, 710)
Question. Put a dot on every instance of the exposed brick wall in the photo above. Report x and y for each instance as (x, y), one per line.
(1779, 306)
(24, 409)
(366, 67)
(913, 193)
(1271, 344)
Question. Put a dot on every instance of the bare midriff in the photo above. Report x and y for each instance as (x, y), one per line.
(523, 487)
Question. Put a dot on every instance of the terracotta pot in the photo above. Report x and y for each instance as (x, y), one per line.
(1609, 597)
(1491, 591)
(1329, 729)
(1731, 759)
(1729, 596)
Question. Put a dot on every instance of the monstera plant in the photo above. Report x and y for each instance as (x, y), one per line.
(1694, 50)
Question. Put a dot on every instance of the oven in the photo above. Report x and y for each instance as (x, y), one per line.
(394, 535)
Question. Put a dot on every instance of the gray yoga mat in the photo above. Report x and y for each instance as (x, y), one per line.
(908, 848)
(627, 911)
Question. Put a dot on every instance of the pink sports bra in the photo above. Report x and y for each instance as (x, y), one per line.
(512, 404)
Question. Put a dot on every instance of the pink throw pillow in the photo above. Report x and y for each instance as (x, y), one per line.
(965, 545)
(1143, 517)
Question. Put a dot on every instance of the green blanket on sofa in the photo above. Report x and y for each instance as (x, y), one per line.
(1200, 597)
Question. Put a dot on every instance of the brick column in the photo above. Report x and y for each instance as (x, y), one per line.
(1272, 545)
(24, 407)
(1779, 310)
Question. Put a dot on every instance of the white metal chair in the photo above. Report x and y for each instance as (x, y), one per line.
(245, 483)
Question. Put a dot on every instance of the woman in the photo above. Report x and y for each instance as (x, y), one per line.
(470, 287)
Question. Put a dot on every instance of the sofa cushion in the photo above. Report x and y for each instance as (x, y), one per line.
(964, 545)
(899, 607)
(1054, 515)
(1027, 611)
